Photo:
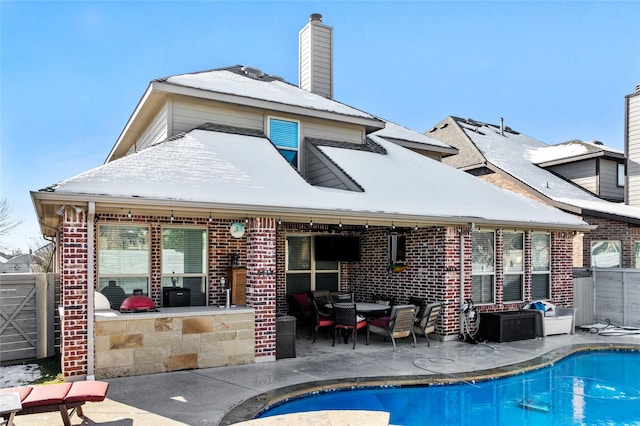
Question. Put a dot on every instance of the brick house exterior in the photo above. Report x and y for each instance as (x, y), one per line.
(194, 155)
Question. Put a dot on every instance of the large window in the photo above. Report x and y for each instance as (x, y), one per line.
(285, 136)
(513, 266)
(184, 261)
(541, 266)
(303, 272)
(606, 254)
(483, 267)
(123, 261)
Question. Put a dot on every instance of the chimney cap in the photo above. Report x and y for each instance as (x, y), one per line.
(637, 88)
(315, 17)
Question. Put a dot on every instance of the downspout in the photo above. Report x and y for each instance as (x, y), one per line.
(461, 279)
(462, 272)
(90, 290)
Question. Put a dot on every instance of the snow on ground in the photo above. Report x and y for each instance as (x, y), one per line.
(19, 375)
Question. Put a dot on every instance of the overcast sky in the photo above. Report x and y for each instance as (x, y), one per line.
(73, 72)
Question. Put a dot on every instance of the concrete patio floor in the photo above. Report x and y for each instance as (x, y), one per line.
(206, 396)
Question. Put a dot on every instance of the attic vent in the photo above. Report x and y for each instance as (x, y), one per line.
(252, 72)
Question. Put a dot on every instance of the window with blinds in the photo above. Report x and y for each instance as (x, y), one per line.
(483, 267)
(540, 266)
(184, 261)
(284, 134)
(513, 266)
(123, 258)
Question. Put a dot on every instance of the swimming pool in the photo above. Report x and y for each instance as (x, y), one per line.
(590, 388)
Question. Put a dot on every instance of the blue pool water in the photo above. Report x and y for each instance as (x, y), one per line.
(592, 388)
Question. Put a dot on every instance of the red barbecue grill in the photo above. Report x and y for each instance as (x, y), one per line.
(137, 303)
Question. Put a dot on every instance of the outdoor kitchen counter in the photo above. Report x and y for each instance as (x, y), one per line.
(170, 339)
(184, 311)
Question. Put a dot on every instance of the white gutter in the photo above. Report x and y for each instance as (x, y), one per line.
(90, 289)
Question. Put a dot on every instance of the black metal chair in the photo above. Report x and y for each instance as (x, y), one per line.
(347, 320)
(322, 319)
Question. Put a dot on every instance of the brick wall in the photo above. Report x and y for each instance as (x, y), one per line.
(73, 293)
(261, 284)
(609, 229)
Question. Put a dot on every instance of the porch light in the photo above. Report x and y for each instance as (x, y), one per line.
(415, 228)
(366, 225)
(129, 214)
(246, 219)
(172, 217)
(210, 218)
(279, 221)
(310, 221)
(340, 224)
(393, 225)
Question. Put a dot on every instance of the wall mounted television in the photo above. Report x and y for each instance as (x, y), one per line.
(337, 248)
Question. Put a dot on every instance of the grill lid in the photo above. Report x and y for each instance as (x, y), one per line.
(137, 303)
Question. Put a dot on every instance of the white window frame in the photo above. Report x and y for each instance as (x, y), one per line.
(621, 174)
(613, 253)
(539, 268)
(479, 268)
(279, 148)
(120, 277)
(167, 277)
(313, 270)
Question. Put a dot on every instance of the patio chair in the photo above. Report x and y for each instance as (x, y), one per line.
(300, 307)
(427, 323)
(342, 298)
(321, 320)
(347, 319)
(396, 326)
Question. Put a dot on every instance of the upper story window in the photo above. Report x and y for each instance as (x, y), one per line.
(620, 174)
(123, 262)
(483, 267)
(285, 135)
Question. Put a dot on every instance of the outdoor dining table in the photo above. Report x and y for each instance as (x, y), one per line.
(366, 307)
(10, 404)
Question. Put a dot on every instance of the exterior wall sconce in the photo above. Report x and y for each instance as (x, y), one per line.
(172, 216)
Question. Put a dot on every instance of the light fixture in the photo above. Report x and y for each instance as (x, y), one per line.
(60, 210)
(310, 221)
(340, 224)
(393, 225)
(129, 214)
(210, 218)
(172, 217)
(78, 209)
(246, 219)
(279, 221)
(366, 225)
(415, 228)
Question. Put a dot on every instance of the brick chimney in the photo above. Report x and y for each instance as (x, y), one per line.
(632, 148)
(316, 57)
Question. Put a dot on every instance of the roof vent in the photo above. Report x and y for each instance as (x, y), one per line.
(315, 17)
(252, 72)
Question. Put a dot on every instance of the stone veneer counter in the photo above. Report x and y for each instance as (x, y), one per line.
(131, 344)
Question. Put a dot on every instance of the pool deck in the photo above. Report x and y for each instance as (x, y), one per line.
(226, 395)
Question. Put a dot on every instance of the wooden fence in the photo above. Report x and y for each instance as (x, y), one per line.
(29, 322)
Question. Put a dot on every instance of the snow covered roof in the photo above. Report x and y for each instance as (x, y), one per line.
(571, 151)
(395, 132)
(216, 168)
(234, 81)
(516, 154)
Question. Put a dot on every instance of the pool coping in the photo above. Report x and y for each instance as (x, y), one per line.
(248, 409)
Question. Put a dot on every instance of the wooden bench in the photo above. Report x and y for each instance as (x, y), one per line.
(63, 397)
